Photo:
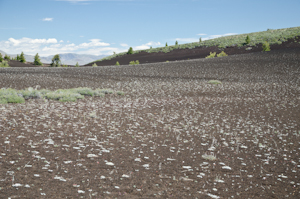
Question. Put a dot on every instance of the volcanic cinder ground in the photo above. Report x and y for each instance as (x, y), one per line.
(172, 135)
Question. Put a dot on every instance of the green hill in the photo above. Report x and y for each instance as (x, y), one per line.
(276, 36)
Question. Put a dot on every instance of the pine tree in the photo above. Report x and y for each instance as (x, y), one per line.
(1, 58)
(37, 60)
(22, 58)
(130, 51)
(166, 44)
(200, 39)
(247, 39)
(176, 43)
(117, 63)
(77, 65)
(18, 58)
(56, 61)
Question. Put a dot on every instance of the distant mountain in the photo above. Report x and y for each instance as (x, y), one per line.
(66, 58)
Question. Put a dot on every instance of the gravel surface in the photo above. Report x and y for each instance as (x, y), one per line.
(172, 135)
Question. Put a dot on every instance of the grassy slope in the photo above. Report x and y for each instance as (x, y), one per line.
(272, 36)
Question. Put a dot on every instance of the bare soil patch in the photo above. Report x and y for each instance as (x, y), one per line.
(160, 139)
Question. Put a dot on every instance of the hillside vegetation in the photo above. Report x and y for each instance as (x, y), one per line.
(276, 36)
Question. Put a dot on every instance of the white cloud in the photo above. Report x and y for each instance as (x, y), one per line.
(147, 45)
(124, 45)
(190, 40)
(93, 43)
(48, 19)
(216, 36)
(51, 46)
(201, 34)
(187, 40)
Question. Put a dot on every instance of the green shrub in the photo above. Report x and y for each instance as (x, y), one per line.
(65, 65)
(37, 60)
(4, 64)
(1, 58)
(266, 46)
(117, 63)
(22, 58)
(211, 55)
(222, 54)
(200, 40)
(134, 62)
(94, 65)
(176, 43)
(166, 44)
(77, 65)
(130, 51)
(18, 58)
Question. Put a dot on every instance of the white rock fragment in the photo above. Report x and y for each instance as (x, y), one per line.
(186, 167)
(109, 163)
(146, 165)
(226, 168)
(137, 159)
(125, 176)
(92, 155)
(170, 159)
(36, 175)
(213, 196)
(102, 177)
(17, 185)
(68, 162)
(81, 191)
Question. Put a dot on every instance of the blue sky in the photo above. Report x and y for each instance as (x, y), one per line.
(101, 27)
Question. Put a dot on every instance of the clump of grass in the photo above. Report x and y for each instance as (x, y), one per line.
(211, 55)
(214, 82)
(222, 54)
(4, 64)
(209, 157)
